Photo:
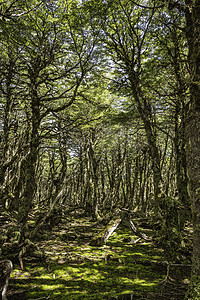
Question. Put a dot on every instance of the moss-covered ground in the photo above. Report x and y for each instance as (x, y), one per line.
(72, 269)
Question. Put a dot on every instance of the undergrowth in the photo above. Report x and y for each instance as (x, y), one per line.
(72, 269)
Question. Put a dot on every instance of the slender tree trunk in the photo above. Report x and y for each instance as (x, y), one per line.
(31, 161)
(6, 121)
(180, 114)
(92, 180)
(145, 111)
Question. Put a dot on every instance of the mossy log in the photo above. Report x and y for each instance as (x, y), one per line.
(103, 236)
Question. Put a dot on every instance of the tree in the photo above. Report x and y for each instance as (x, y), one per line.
(53, 55)
(125, 35)
(192, 12)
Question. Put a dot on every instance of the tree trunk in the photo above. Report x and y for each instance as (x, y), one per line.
(6, 268)
(192, 13)
(193, 160)
(31, 161)
(145, 111)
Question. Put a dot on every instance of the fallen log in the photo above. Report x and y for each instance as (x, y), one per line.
(103, 236)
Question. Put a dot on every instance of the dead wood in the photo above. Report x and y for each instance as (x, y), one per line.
(124, 217)
(103, 236)
(135, 230)
(41, 298)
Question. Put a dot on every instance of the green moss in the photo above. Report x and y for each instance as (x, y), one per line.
(74, 270)
(194, 288)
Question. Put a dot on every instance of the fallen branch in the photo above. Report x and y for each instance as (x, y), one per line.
(135, 242)
(103, 236)
(136, 231)
(20, 291)
(41, 298)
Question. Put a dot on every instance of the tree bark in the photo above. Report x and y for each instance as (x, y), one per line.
(193, 160)
(31, 161)
(192, 13)
(6, 268)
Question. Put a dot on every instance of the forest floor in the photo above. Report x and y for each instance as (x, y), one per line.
(124, 268)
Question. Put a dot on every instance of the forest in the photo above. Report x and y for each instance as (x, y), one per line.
(100, 149)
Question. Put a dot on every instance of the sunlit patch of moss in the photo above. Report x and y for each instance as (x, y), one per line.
(144, 283)
(51, 287)
(20, 274)
(45, 276)
(126, 280)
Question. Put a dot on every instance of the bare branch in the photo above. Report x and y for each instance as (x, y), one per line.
(146, 6)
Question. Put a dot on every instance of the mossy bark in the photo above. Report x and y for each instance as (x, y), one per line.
(194, 289)
(192, 13)
(31, 161)
(193, 158)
